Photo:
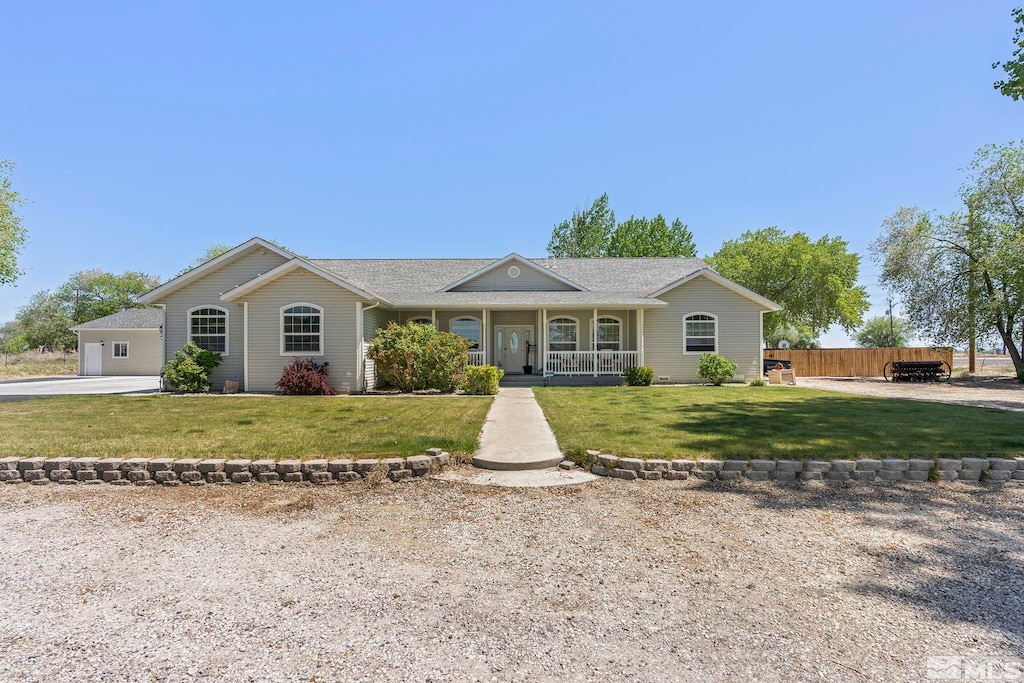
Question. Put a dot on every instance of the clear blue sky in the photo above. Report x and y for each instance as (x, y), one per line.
(144, 134)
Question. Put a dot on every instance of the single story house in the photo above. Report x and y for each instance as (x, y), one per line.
(261, 307)
(128, 342)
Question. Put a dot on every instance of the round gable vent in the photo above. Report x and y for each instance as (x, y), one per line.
(513, 271)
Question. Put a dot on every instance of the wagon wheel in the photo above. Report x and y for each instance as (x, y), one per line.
(887, 371)
(948, 370)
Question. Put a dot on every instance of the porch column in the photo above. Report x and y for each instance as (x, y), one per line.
(640, 334)
(536, 343)
(484, 334)
(360, 358)
(433, 318)
(543, 338)
(593, 340)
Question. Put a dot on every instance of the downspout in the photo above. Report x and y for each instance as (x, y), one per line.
(163, 343)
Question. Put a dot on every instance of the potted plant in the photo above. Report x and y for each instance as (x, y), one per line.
(528, 368)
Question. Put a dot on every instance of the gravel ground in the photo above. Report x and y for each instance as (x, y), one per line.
(997, 391)
(437, 581)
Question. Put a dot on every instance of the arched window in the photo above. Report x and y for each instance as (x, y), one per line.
(421, 320)
(468, 328)
(563, 334)
(608, 335)
(208, 328)
(700, 332)
(302, 330)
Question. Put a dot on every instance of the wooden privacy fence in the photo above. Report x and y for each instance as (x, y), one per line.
(853, 362)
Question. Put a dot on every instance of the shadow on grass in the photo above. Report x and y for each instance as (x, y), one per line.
(971, 567)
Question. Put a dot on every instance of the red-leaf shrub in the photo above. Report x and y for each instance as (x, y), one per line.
(305, 377)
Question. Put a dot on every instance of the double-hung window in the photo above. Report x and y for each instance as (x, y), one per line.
(700, 332)
(608, 335)
(469, 329)
(120, 349)
(302, 330)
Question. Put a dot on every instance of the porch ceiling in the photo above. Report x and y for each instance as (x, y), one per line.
(519, 300)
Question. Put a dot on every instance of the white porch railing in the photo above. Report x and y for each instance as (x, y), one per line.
(476, 358)
(589, 362)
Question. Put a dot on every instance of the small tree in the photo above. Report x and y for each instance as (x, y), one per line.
(13, 340)
(716, 369)
(881, 332)
(189, 370)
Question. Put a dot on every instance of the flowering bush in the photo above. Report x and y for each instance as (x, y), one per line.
(305, 377)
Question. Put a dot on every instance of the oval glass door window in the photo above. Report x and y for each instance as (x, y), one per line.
(513, 342)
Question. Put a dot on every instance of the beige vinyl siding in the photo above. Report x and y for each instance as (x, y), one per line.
(145, 351)
(530, 280)
(338, 323)
(376, 318)
(206, 290)
(739, 330)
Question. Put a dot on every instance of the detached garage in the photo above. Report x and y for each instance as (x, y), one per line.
(125, 343)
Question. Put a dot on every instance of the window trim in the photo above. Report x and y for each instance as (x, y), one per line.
(113, 350)
(227, 326)
(547, 332)
(480, 324)
(714, 318)
(593, 332)
(280, 327)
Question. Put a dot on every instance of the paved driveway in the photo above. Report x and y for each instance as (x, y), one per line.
(63, 386)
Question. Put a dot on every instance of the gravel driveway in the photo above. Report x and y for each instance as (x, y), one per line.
(443, 581)
(1002, 392)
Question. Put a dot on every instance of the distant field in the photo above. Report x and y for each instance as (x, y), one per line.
(33, 366)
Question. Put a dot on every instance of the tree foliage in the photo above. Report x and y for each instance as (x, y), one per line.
(46, 322)
(593, 233)
(12, 233)
(815, 280)
(13, 340)
(586, 233)
(883, 332)
(798, 337)
(650, 237)
(91, 294)
(943, 269)
(1013, 85)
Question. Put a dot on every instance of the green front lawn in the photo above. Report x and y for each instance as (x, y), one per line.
(224, 426)
(773, 422)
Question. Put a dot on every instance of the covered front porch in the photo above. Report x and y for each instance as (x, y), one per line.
(593, 342)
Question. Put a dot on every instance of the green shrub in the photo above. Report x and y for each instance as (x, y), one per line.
(189, 370)
(758, 382)
(413, 357)
(715, 368)
(482, 380)
(642, 376)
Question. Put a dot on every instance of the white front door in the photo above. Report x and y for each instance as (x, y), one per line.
(93, 363)
(511, 341)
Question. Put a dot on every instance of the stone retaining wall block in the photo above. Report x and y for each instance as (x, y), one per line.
(811, 475)
(657, 465)
(869, 465)
(238, 466)
(137, 475)
(735, 465)
(85, 475)
(951, 464)
(190, 476)
(315, 465)
(241, 477)
(948, 475)
(649, 474)
(709, 465)
(609, 461)
(1018, 475)
(920, 464)
(789, 466)
(8, 464)
(211, 465)
(289, 466)
(895, 465)
(762, 465)
(729, 475)
(418, 464)
(633, 464)
(863, 475)
(110, 476)
(263, 466)
(998, 476)
(29, 464)
(186, 465)
(974, 463)
(833, 475)
(14, 476)
(109, 464)
(890, 475)
(164, 476)
(599, 470)
(916, 475)
(844, 465)
(969, 475)
(441, 459)
(364, 465)
(399, 474)
(52, 464)
(161, 464)
(685, 465)
(268, 477)
(82, 464)
(785, 476)
(434, 451)
(759, 475)
(217, 476)
(818, 466)
(620, 473)
(677, 475)
(1002, 464)
(291, 477)
(345, 465)
(131, 464)
(392, 464)
(349, 477)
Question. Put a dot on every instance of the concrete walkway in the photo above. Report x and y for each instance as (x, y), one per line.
(516, 436)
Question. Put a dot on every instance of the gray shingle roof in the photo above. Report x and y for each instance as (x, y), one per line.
(132, 319)
(405, 278)
(515, 299)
